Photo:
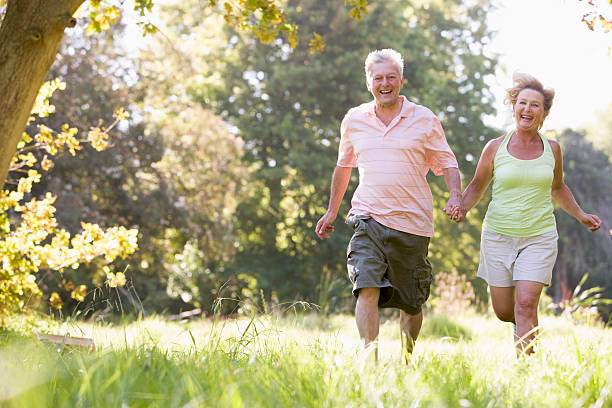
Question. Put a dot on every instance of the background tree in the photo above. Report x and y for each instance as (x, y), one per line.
(588, 173)
(171, 172)
(104, 187)
(599, 132)
(31, 31)
(287, 106)
(201, 165)
(30, 238)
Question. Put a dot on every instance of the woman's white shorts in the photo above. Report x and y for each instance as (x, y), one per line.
(505, 259)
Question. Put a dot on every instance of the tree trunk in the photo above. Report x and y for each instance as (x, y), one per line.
(30, 33)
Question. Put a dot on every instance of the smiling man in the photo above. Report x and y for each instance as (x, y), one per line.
(394, 143)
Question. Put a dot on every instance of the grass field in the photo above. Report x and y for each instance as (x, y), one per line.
(304, 360)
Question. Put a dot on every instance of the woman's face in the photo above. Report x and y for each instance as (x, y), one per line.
(529, 110)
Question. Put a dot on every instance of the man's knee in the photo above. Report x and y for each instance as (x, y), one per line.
(368, 295)
(408, 317)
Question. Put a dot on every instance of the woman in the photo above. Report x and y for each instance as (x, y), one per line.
(519, 237)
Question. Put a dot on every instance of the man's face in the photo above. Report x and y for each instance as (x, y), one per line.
(385, 83)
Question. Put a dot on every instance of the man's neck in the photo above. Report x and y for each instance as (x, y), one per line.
(386, 113)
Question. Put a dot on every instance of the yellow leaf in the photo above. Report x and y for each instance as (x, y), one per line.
(120, 278)
(56, 301)
(316, 44)
(46, 164)
(79, 293)
(26, 138)
(605, 24)
(110, 281)
(68, 285)
(121, 114)
(116, 279)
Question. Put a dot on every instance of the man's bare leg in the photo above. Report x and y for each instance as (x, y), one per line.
(410, 326)
(366, 315)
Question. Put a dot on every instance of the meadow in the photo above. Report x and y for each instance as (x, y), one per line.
(303, 359)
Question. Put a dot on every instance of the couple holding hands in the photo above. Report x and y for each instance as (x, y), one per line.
(394, 143)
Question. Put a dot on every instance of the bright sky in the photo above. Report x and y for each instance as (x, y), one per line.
(547, 39)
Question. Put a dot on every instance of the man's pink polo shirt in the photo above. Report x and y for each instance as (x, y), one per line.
(393, 162)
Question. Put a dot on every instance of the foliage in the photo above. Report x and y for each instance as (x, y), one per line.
(452, 294)
(30, 238)
(265, 361)
(588, 174)
(583, 305)
(114, 186)
(266, 26)
(201, 164)
(443, 326)
(173, 173)
(262, 19)
(599, 132)
(250, 229)
(597, 18)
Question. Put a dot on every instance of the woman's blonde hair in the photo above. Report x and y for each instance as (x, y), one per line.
(526, 81)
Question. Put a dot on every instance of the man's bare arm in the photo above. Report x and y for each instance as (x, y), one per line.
(340, 181)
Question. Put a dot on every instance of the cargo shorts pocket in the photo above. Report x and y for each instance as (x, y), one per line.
(422, 287)
(356, 243)
(354, 221)
(357, 223)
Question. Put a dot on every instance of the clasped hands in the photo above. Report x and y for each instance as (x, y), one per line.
(454, 209)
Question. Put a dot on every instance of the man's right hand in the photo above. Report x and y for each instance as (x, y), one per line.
(459, 215)
(324, 227)
(456, 214)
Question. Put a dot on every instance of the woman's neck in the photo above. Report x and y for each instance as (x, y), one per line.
(527, 135)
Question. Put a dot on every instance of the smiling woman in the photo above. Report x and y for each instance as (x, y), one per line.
(530, 101)
(518, 247)
(529, 112)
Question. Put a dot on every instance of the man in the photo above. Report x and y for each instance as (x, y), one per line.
(394, 143)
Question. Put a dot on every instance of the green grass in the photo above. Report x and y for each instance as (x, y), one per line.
(305, 361)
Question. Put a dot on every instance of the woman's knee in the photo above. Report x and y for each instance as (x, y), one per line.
(505, 315)
(502, 299)
(526, 306)
(504, 311)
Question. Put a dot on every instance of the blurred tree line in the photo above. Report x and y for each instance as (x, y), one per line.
(225, 162)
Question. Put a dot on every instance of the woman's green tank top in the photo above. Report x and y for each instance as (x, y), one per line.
(521, 204)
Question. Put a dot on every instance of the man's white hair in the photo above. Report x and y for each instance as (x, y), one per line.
(387, 54)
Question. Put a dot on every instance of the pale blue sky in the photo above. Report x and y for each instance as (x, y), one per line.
(547, 39)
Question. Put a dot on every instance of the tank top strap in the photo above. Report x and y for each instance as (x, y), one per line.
(547, 148)
(502, 150)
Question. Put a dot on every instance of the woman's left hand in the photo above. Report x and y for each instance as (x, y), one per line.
(591, 221)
